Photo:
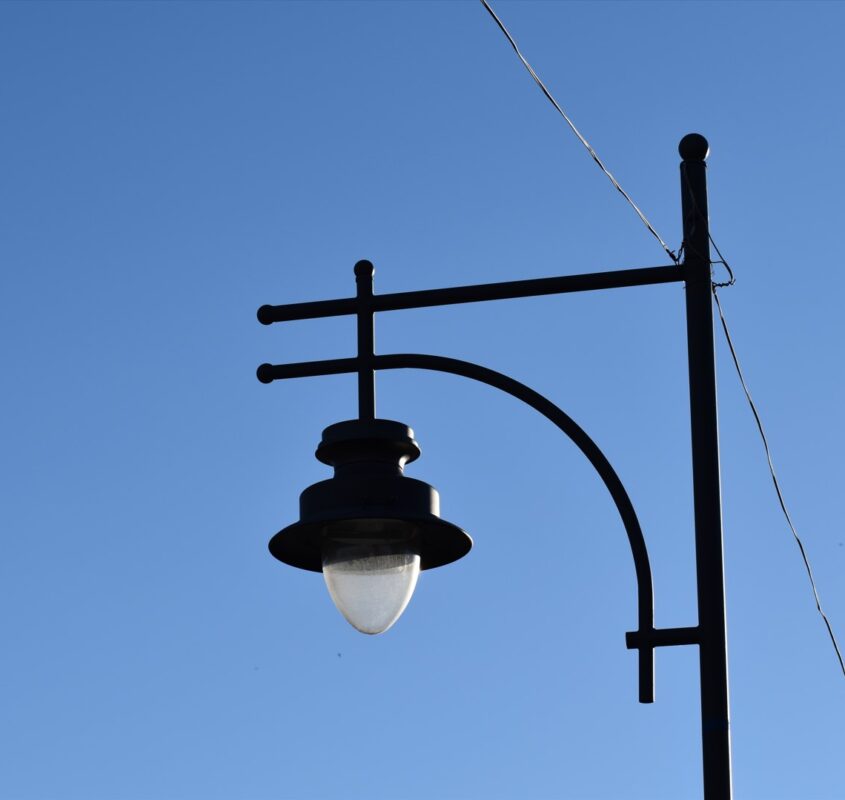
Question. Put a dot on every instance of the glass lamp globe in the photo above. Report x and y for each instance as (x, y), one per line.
(370, 582)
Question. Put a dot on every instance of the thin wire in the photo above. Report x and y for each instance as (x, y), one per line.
(774, 476)
(575, 130)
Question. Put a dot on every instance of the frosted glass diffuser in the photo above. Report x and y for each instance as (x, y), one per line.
(371, 583)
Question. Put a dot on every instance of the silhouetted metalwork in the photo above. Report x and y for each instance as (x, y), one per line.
(331, 503)
(369, 457)
(707, 493)
(506, 290)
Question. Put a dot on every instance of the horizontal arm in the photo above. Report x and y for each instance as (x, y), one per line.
(267, 373)
(536, 287)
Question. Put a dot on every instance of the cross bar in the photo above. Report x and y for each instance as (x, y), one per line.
(535, 287)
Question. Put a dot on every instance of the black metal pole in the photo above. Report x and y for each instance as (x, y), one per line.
(364, 272)
(713, 650)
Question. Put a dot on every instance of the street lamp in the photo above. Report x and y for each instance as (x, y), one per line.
(370, 529)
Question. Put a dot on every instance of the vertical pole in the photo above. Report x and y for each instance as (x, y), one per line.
(713, 650)
(364, 272)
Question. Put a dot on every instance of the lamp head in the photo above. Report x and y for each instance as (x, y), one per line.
(369, 529)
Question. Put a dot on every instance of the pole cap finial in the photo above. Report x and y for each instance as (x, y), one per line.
(364, 269)
(694, 147)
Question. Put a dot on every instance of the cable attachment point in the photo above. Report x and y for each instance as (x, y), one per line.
(731, 279)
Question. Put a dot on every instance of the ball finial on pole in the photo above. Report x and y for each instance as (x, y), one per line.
(694, 147)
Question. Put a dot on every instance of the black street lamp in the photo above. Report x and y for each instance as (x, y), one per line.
(370, 529)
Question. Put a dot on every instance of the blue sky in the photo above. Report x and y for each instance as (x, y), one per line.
(170, 167)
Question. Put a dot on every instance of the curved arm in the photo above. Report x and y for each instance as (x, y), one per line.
(646, 637)
(645, 595)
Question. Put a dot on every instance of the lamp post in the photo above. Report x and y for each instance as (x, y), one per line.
(370, 529)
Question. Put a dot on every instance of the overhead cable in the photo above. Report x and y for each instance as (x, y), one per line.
(775, 480)
(581, 138)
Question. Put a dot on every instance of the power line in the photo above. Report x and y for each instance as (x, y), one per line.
(775, 480)
(581, 138)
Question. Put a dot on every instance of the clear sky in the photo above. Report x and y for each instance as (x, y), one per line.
(169, 167)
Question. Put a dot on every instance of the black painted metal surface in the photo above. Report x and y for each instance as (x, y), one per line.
(426, 298)
(707, 498)
(369, 498)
